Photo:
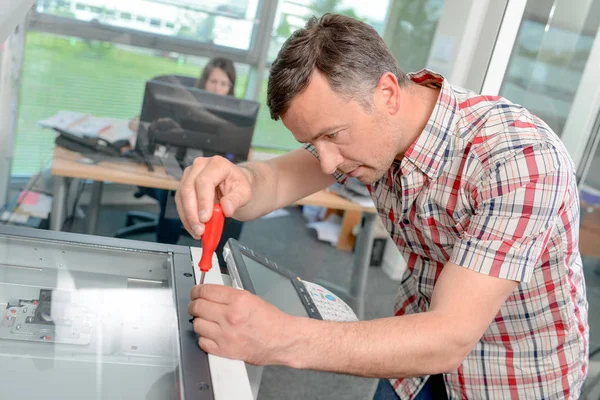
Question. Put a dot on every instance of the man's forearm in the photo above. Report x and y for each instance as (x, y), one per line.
(281, 181)
(412, 345)
(263, 182)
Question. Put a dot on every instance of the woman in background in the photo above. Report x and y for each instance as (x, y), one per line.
(218, 77)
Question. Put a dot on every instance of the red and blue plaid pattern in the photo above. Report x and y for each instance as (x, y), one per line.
(490, 187)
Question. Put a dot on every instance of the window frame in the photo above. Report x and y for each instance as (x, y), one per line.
(61, 25)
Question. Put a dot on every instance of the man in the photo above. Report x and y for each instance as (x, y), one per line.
(479, 195)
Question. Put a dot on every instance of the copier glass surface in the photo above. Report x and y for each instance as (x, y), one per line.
(87, 317)
(84, 317)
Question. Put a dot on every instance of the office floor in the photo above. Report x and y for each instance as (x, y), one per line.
(288, 242)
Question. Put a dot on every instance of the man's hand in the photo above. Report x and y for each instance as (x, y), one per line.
(207, 180)
(236, 324)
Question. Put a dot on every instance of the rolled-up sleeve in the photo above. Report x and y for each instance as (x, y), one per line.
(516, 209)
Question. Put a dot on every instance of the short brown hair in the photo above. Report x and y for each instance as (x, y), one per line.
(350, 53)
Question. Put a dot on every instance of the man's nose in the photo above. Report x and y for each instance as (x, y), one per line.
(329, 160)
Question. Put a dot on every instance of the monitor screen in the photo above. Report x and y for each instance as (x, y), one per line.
(275, 288)
(205, 121)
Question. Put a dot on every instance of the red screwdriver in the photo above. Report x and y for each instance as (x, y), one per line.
(210, 239)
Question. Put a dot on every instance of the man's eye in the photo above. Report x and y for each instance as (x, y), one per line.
(332, 135)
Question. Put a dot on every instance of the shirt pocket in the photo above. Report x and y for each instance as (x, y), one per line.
(441, 228)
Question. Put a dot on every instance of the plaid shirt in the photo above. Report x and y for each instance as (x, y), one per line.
(488, 186)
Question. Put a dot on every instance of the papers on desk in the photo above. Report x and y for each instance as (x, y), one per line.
(81, 125)
(90, 126)
(63, 120)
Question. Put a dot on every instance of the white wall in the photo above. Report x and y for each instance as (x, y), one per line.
(11, 13)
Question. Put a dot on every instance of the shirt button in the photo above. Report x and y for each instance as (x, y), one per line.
(406, 221)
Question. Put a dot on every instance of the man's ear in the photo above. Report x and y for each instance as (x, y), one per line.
(389, 93)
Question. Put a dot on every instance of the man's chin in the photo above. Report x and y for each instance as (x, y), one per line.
(369, 177)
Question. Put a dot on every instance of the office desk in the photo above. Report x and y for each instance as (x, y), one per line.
(68, 164)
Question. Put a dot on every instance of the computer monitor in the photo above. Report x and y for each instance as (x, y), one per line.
(215, 124)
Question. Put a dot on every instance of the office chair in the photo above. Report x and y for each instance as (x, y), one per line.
(138, 222)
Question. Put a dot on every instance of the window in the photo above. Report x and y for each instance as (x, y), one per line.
(411, 32)
(548, 59)
(63, 72)
(100, 78)
(228, 23)
(56, 7)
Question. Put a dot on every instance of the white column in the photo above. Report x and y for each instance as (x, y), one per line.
(464, 40)
(504, 46)
(12, 13)
(11, 55)
(585, 107)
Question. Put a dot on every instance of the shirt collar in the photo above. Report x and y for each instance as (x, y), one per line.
(430, 151)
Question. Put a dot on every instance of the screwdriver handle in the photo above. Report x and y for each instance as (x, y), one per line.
(211, 237)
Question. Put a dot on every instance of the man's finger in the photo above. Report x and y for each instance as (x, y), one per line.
(196, 230)
(215, 172)
(208, 345)
(186, 199)
(207, 329)
(182, 216)
(207, 310)
(215, 293)
(234, 199)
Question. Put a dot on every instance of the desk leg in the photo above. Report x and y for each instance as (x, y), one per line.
(362, 262)
(59, 203)
(351, 218)
(355, 297)
(94, 210)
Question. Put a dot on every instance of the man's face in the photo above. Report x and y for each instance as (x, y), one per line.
(349, 138)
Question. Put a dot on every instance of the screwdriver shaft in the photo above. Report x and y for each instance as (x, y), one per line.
(202, 278)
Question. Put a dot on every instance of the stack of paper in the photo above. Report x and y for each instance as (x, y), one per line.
(90, 126)
(13, 217)
(35, 204)
(328, 230)
(77, 123)
(63, 120)
(29, 204)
